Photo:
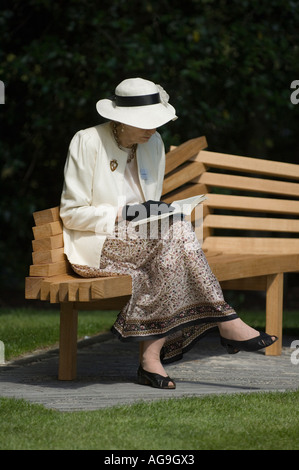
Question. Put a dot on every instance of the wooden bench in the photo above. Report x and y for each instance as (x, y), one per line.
(245, 262)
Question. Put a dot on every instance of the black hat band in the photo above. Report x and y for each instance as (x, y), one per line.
(142, 100)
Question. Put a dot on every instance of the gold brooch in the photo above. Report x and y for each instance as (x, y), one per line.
(113, 165)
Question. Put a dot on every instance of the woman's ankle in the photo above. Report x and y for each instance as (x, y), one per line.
(236, 330)
(149, 355)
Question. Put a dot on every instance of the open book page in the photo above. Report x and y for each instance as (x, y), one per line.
(181, 206)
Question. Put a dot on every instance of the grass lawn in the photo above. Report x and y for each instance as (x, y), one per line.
(240, 421)
(24, 330)
(255, 421)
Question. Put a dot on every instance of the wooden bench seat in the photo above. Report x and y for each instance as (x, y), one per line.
(247, 262)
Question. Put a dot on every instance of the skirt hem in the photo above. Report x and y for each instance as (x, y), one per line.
(187, 348)
(139, 337)
(182, 326)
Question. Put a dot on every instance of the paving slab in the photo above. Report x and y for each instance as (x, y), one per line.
(107, 375)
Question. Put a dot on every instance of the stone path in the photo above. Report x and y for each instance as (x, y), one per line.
(107, 375)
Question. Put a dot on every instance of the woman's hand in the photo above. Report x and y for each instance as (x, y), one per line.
(145, 209)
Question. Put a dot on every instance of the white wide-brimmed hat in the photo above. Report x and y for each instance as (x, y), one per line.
(139, 103)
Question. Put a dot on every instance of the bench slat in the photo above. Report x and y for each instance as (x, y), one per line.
(182, 175)
(184, 152)
(51, 256)
(251, 265)
(244, 183)
(256, 204)
(188, 190)
(250, 245)
(46, 216)
(47, 230)
(48, 243)
(247, 164)
(50, 269)
(251, 223)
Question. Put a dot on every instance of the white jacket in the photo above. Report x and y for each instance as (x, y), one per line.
(92, 193)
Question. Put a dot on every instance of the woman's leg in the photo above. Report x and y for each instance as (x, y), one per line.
(237, 330)
(150, 356)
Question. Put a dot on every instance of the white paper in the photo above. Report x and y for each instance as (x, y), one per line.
(181, 206)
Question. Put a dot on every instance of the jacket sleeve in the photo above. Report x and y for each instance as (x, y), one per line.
(76, 209)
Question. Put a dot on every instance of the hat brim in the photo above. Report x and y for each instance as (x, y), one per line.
(143, 117)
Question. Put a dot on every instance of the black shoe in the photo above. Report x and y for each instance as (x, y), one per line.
(254, 344)
(155, 380)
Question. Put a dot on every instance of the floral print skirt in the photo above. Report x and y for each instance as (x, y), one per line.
(174, 292)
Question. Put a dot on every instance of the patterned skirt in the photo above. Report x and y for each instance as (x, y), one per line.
(174, 292)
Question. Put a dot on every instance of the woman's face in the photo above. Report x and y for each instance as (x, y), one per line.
(135, 135)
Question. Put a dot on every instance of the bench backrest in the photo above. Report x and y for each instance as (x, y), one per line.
(255, 198)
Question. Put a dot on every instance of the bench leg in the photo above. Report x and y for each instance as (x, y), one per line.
(68, 342)
(274, 303)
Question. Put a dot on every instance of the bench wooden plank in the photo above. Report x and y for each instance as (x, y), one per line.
(47, 230)
(185, 173)
(184, 152)
(238, 266)
(188, 190)
(48, 243)
(251, 245)
(251, 223)
(247, 164)
(51, 269)
(255, 204)
(51, 256)
(245, 183)
(46, 216)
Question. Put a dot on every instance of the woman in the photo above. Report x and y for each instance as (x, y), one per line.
(116, 169)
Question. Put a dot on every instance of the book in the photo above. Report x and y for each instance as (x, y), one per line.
(181, 206)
